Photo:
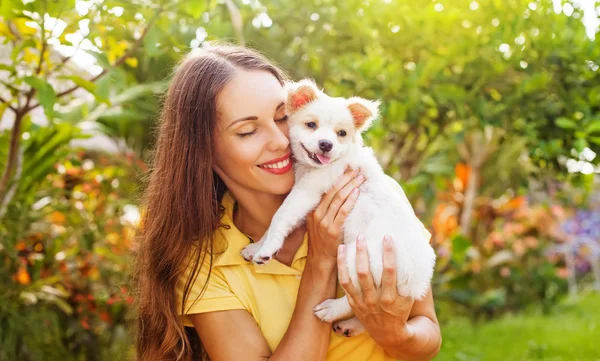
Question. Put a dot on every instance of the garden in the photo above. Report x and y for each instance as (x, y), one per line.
(490, 121)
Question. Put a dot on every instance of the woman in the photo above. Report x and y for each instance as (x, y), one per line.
(221, 170)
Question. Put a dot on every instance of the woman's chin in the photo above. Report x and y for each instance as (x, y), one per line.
(281, 184)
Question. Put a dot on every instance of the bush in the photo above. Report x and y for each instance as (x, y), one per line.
(501, 264)
(64, 254)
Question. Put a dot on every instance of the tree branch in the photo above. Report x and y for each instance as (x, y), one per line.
(8, 105)
(38, 69)
(104, 71)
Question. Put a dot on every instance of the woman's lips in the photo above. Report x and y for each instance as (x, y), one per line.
(280, 167)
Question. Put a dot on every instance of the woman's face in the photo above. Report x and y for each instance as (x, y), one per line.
(251, 136)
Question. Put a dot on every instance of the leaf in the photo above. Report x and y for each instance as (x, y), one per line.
(103, 89)
(9, 9)
(102, 59)
(138, 91)
(3, 107)
(8, 68)
(45, 93)
(150, 41)
(460, 245)
(565, 123)
(595, 140)
(593, 127)
(580, 144)
(85, 84)
(194, 8)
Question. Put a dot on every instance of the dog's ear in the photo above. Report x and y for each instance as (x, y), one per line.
(363, 112)
(300, 94)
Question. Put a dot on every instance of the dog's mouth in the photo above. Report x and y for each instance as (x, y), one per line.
(317, 158)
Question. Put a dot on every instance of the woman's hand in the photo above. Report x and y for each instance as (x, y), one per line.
(324, 224)
(383, 312)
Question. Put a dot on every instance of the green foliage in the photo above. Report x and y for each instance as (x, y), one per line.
(65, 252)
(503, 92)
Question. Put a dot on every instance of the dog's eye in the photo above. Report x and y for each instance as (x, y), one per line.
(311, 124)
(342, 133)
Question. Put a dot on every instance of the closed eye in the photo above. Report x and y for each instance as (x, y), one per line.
(244, 135)
(282, 120)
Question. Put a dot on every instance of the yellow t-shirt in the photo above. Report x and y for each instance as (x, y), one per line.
(268, 292)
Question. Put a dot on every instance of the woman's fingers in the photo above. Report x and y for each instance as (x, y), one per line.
(323, 206)
(345, 209)
(389, 291)
(343, 202)
(343, 275)
(363, 269)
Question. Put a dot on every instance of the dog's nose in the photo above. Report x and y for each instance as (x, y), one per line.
(325, 145)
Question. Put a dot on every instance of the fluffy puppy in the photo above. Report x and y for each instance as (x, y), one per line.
(325, 135)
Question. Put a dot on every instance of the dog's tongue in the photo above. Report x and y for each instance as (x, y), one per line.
(323, 159)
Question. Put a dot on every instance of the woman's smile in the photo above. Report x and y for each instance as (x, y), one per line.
(280, 165)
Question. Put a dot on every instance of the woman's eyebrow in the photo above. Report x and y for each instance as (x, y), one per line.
(251, 117)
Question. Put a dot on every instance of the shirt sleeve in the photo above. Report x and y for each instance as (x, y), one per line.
(216, 295)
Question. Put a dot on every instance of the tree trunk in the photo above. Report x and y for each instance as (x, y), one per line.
(469, 201)
(11, 161)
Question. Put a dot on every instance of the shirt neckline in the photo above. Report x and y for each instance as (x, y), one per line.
(229, 235)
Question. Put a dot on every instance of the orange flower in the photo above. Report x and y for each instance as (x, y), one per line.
(22, 276)
(57, 218)
(463, 173)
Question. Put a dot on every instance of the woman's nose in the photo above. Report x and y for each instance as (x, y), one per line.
(279, 140)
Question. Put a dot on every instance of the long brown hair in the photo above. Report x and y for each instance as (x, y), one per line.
(181, 203)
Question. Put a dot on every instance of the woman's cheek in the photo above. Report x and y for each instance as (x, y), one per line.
(249, 150)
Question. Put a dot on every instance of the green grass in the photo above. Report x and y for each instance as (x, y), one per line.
(570, 333)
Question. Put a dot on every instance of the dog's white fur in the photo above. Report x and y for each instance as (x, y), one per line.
(381, 208)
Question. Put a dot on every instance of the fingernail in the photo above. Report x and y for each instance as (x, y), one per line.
(360, 178)
(341, 249)
(355, 192)
(360, 240)
(387, 242)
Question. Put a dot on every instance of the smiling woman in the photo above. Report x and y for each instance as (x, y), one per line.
(222, 169)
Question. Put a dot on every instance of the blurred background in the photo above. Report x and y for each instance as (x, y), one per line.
(490, 122)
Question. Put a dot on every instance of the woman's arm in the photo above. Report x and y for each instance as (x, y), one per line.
(424, 338)
(234, 335)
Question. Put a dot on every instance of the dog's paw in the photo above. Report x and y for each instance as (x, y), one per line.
(326, 311)
(265, 253)
(349, 328)
(250, 250)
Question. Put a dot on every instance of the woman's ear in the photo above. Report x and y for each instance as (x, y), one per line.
(363, 112)
(300, 94)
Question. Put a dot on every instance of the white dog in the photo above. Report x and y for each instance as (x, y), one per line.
(325, 134)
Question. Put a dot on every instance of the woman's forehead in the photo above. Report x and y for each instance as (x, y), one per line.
(250, 93)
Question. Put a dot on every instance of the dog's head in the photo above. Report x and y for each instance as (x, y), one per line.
(322, 128)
